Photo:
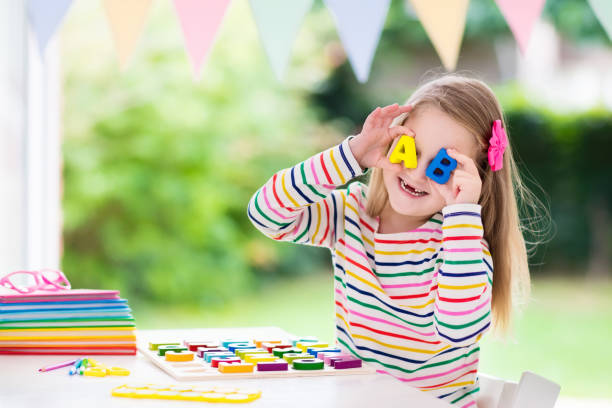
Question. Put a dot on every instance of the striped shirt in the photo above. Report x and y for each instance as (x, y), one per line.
(412, 304)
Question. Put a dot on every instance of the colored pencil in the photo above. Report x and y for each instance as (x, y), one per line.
(60, 365)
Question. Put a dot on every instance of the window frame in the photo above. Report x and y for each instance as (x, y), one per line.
(30, 178)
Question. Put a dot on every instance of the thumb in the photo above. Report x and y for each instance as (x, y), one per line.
(385, 164)
(443, 189)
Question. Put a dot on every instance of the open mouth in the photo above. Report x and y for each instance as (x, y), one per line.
(411, 190)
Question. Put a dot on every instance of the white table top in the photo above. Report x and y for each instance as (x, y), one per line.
(21, 385)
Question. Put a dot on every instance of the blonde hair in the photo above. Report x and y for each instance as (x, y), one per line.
(472, 104)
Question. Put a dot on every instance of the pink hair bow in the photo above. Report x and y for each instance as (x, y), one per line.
(497, 146)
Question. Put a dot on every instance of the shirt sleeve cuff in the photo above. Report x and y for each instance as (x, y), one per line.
(462, 209)
(349, 153)
(462, 220)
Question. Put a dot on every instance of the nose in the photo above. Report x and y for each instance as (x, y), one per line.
(418, 174)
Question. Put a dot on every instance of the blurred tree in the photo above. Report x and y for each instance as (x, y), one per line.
(158, 169)
(586, 142)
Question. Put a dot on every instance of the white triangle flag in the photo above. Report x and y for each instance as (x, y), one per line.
(359, 25)
(603, 11)
(45, 17)
(278, 22)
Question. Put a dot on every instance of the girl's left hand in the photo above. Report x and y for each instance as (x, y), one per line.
(464, 184)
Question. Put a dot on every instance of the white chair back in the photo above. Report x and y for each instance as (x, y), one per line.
(532, 391)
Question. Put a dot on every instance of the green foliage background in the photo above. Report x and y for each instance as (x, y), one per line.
(158, 169)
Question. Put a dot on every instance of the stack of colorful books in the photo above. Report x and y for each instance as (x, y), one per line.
(76, 321)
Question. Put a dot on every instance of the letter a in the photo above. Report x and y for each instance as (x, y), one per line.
(404, 151)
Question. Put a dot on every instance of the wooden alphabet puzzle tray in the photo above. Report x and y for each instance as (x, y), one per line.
(213, 357)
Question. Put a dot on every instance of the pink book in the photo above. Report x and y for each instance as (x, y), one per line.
(12, 296)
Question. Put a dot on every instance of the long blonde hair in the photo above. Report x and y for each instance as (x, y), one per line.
(472, 104)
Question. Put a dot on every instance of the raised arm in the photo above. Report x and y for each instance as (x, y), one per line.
(298, 204)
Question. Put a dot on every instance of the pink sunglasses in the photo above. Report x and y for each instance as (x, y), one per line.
(44, 279)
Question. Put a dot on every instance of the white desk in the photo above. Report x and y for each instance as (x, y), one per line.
(21, 385)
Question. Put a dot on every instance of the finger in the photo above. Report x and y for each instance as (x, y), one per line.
(404, 109)
(390, 112)
(465, 161)
(385, 164)
(461, 158)
(443, 189)
(467, 186)
(460, 184)
(396, 107)
(390, 108)
(385, 113)
(372, 118)
(458, 173)
(461, 176)
(393, 137)
(391, 115)
(465, 181)
(380, 116)
(396, 131)
(375, 112)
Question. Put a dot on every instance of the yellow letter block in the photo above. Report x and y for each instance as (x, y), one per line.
(236, 367)
(404, 151)
(179, 355)
(259, 358)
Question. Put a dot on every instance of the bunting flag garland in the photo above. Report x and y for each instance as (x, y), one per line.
(126, 20)
(521, 16)
(603, 12)
(45, 17)
(444, 23)
(278, 22)
(200, 20)
(359, 27)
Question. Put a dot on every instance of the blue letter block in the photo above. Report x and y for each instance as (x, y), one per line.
(440, 168)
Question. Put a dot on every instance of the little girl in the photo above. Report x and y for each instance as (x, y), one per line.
(413, 259)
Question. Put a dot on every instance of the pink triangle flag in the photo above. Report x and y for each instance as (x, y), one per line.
(200, 20)
(521, 16)
(359, 26)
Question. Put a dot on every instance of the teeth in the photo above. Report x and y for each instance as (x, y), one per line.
(412, 191)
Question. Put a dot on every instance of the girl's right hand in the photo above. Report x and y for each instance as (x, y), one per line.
(371, 146)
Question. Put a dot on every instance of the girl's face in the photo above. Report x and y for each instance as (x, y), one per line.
(410, 192)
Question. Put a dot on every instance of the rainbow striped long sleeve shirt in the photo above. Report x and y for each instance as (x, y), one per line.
(413, 304)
